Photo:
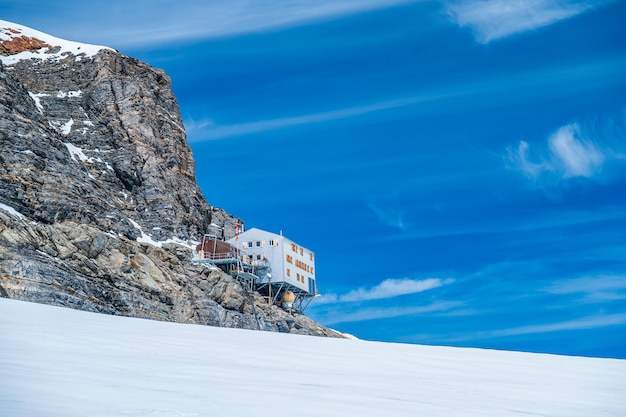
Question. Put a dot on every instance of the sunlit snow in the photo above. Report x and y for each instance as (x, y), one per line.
(10, 30)
(59, 362)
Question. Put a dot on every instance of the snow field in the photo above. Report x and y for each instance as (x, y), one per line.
(63, 362)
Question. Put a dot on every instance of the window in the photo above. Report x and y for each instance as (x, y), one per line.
(311, 255)
(301, 252)
(258, 243)
(259, 257)
(288, 272)
(289, 258)
(273, 242)
(294, 247)
(247, 244)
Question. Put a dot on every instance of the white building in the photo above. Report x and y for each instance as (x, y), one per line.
(292, 267)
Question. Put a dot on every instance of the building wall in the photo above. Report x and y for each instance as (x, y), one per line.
(290, 262)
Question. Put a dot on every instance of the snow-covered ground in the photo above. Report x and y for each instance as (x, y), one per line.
(62, 362)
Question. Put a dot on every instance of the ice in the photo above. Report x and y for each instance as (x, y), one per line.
(61, 362)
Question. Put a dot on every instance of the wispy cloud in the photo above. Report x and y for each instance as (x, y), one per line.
(593, 289)
(569, 152)
(389, 288)
(375, 313)
(496, 19)
(508, 87)
(591, 322)
(117, 24)
(392, 217)
(574, 155)
(212, 131)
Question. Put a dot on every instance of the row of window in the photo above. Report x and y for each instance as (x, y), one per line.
(304, 266)
(260, 243)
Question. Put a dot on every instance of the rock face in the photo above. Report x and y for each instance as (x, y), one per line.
(108, 135)
(96, 181)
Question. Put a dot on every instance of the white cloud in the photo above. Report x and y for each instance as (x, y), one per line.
(389, 288)
(522, 160)
(569, 154)
(575, 155)
(496, 19)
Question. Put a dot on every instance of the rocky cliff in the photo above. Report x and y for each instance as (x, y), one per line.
(98, 197)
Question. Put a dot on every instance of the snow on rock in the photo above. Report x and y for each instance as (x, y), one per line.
(145, 238)
(36, 97)
(18, 42)
(70, 94)
(63, 362)
(76, 152)
(66, 127)
(11, 211)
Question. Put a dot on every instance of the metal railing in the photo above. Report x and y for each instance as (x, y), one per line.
(218, 256)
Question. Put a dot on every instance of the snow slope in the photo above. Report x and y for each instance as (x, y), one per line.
(62, 362)
(57, 48)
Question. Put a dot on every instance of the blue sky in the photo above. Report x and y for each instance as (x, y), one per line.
(458, 167)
